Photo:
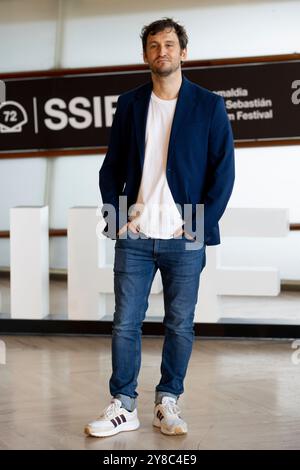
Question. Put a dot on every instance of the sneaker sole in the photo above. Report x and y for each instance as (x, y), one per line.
(122, 428)
(176, 432)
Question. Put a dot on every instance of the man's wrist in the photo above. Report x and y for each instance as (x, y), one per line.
(122, 228)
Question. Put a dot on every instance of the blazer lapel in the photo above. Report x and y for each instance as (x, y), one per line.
(140, 111)
(184, 106)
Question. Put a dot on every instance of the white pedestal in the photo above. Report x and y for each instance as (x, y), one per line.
(84, 302)
(249, 222)
(90, 274)
(29, 262)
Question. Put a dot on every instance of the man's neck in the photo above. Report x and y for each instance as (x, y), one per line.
(167, 88)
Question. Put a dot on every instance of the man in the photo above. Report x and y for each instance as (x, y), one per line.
(171, 144)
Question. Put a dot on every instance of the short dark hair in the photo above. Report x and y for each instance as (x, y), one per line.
(160, 25)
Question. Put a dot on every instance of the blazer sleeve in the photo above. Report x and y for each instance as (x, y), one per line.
(221, 171)
(111, 175)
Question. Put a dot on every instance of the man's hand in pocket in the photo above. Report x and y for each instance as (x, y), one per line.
(180, 231)
(130, 225)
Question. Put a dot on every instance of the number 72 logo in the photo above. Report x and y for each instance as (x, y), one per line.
(12, 117)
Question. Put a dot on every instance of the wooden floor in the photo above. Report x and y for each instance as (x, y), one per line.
(239, 395)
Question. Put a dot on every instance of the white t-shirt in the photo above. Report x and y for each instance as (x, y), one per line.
(158, 215)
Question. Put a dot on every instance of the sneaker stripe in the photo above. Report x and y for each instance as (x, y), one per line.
(118, 419)
(159, 415)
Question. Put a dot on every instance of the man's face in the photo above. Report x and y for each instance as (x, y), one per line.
(163, 53)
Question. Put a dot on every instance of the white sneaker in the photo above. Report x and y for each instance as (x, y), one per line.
(166, 417)
(113, 419)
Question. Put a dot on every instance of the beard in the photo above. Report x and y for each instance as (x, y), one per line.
(165, 70)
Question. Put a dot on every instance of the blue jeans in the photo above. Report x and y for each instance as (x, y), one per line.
(135, 264)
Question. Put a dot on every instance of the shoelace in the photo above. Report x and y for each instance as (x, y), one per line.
(111, 410)
(172, 408)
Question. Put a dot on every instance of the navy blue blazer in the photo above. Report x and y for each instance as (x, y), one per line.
(200, 162)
